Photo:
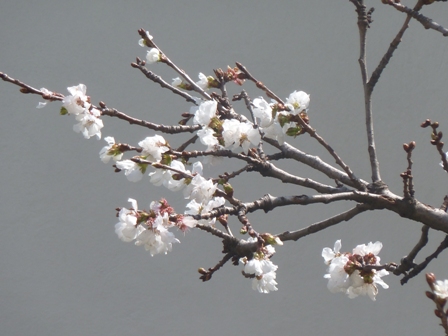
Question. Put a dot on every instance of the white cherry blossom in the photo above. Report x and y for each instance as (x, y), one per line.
(441, 289)
(126, 228)
(77, 102)
(153, 55)
(298, 101)
(204, 112)
(132, 170)
(89, 124)
(107, 152)
(153, 147)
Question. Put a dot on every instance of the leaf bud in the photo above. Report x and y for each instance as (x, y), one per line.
(426, 123)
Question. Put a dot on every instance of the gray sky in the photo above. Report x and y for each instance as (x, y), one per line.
(64, 271)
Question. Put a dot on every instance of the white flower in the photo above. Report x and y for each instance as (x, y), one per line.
(89, 124)
(441, 289)
(153, 147)
(108, 152)
(157, 239)
(339, 280)
(373, 248)
(265, 283)
(203, 81)
(200, 189)
(153, 55)
(196, 208)
(77, 102)
(263, 111)
(176, 82)
(165, 176)
(126, 228)
(359, 286)
(328, 254)
(298, 101)
(344, 276)
(207, 137)
(264, 271)
(205, 112)
(236, 133)
(133, 171)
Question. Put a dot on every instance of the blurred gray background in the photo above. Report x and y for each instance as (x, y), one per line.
(63, 269)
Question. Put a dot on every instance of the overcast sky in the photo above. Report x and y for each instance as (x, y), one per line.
(63, 269)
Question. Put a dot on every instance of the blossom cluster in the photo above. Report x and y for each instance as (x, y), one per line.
(78, 104)
(261, 269)
(150, 228)
(349, 272)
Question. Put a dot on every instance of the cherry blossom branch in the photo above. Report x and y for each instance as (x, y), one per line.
(363, 24)
(157, 79)
(315, 162)
(425, 21)
(29, 89)
(268, 169)
(420, 267)
(150, 43)
(173, 129)
(436, 138)
(219, 153)
(207, 274)
(319, 226)
(306, 127)
(393, 46)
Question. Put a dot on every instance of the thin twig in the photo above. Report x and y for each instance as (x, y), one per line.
(420, 267)
(407, 262)
(150, 43)
(363, 24)
(174, 129)
(319, 226)
(157, 79)
(425, 21)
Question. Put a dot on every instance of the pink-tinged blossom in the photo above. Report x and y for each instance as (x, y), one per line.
(132, 171)
(204, 112)
(126, 228)
(298, 101)
(89, 123)
(153, 55)
(110, 151)
(153, 147)
(441, 289)
(344, 273)
(77, 102)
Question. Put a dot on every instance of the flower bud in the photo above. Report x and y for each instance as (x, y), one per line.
(430, 279)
